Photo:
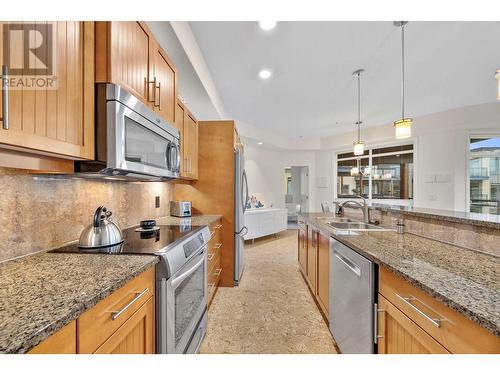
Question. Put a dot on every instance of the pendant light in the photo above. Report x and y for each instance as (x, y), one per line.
(403, 125)
(497, 76)
(359, 146)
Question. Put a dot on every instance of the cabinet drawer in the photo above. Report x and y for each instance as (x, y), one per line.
(215, 271)
(100, 322)
(214, 255)
(214, 279)
(451, 329)
(398, 334)
(135, 336)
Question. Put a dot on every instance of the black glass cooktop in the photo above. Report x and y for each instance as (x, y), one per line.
(139, 242)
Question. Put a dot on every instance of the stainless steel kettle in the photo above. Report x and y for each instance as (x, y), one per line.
(102, 232)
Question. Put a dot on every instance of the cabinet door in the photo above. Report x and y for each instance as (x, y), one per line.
(398, 334)
(164, 76)
(192, 149)
(323, 280)
(180, 117)
(312, 251)
(58, 119)
(135, 336)
(302, 251)
(123, 56)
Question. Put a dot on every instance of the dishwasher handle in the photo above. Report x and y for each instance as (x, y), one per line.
(349, 264)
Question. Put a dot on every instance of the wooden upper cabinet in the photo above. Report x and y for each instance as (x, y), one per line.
(188, 128)
(123, 56)
(58, 120)
(165, 84)
(192, 157)
(128, 55)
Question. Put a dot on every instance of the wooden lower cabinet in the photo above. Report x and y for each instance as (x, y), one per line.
(409, 316)
(302, 248)
(135, 336)
(61, 342)
(214, 260)
(314, 263)
(122, 323)
(323, 273)
(312, 253)
(398, 334)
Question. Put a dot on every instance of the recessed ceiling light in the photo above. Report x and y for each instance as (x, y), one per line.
(267, 25)
(259, 143)
(265, 74)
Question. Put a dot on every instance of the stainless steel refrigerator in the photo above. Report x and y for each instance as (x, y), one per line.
(241, 199)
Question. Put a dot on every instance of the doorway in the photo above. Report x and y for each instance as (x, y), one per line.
(296, 190)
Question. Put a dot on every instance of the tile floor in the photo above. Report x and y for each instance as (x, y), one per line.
(272, 310)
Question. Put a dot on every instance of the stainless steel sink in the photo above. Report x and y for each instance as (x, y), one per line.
(332, 219)
(350, 228)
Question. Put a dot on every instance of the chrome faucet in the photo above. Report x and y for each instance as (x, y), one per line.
(354, 204)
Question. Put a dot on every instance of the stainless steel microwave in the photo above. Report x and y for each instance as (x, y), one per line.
(131, 141)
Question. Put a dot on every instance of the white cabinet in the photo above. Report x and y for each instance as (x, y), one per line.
(265, 221)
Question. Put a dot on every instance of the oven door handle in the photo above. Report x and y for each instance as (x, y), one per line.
(179, 279)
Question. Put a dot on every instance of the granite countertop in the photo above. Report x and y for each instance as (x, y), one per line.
(470, 218)
(464, 280)
(41, 293)
(193, 220)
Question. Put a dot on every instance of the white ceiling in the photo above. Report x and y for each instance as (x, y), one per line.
(312, 92)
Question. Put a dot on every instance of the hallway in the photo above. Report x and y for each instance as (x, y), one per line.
(272, 310)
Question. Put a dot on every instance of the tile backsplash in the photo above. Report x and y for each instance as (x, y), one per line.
(39, 213)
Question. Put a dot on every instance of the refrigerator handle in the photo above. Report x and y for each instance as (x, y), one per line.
(242, 232)
(244, 197)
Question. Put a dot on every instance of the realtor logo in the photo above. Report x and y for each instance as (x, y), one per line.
(28, 49)
(28, 53)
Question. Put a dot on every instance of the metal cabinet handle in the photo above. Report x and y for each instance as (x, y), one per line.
(211, 256)
(218, 226)
(349, 264)
(408, 300)
(212, 233)
(218, 246)
(212, 287)
(5, 97)
(158, 87)
(217, 272)
(147, 83)
(117, 314)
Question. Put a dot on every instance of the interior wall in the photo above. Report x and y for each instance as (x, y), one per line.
(265, 169)
(39, 213)
(441, 153)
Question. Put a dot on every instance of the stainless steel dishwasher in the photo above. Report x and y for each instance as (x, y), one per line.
(352, 293)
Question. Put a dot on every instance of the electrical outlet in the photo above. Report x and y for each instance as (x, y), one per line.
(157, 201)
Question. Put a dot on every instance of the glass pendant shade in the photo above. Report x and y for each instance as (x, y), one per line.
(497, 76)
(403, 128)
(359, 148)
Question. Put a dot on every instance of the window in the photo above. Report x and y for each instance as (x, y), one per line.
(484, 175)
(388, 173)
